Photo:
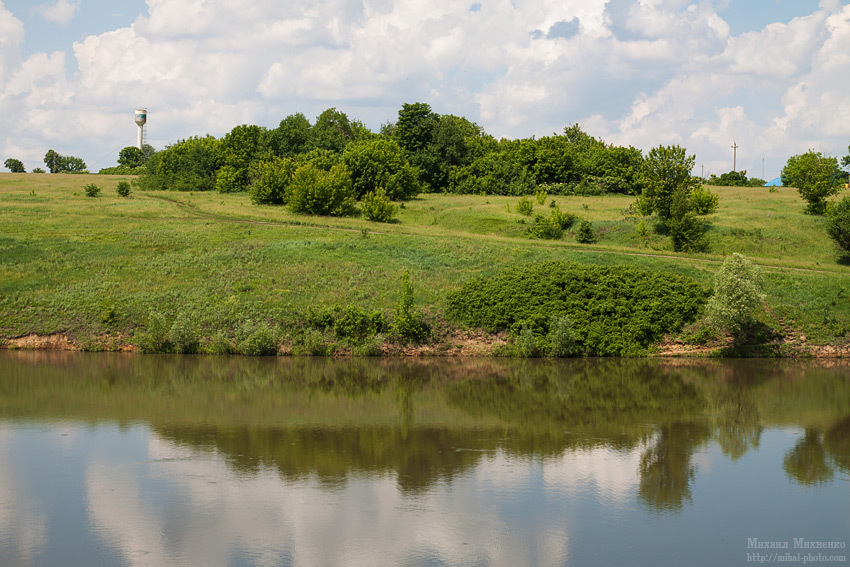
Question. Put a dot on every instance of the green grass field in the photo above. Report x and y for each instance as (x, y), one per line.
(92, 267)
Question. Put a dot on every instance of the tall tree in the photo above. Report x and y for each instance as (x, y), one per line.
(666, 170)
(415, 126)
(15, 165)
(815, 176)
(131, 156)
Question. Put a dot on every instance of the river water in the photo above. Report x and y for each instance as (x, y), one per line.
(110, 459)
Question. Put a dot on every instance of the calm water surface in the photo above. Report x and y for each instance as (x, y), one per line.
(155, 460)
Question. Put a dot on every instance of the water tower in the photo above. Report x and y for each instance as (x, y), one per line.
(141, 119)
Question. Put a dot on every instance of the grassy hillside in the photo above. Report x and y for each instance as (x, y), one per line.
(96, 267)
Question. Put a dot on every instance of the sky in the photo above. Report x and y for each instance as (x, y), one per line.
(771, 76)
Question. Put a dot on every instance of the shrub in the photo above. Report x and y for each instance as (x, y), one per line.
(408, 323)
(123, 189)
(316, 192)
(704, 201)
(585, 233)
(543, 227)
(527, 344)
(838, 223)
(525, 206)
(541, 196)
(269, 181)
(154, 339)
(686, 230)
(377, 207)
(356, 324)
(562, 340)
(92, 190)
(372, 346)
(228, 179)
(183, 335)
(316, 343)
(738, 293)
(614, 310)
(552, 227)
(256, 338)
(220, 344)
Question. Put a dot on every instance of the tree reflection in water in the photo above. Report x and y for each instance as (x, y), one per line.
(429, 421)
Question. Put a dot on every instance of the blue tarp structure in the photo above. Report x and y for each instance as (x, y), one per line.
(774, 182)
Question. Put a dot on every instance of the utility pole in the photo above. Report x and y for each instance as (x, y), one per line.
(734, 156)
(702, 171)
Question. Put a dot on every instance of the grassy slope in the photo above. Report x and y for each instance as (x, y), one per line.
(88, 266)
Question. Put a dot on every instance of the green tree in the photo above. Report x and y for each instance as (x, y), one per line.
(415, 127)
(738, 294)
(58, 163)
(332, 131)
(53, 161)
(380, 163)
(815, 176)
(667, 169)
(131, 156)
(838, 223)
(14, 165)
(188, 165)
(292, 136)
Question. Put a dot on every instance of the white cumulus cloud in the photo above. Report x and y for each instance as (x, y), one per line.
(59, 12)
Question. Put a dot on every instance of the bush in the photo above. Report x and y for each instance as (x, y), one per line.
(183, 336)
(228, 179)
(92, 190)
(542, 227)
(562, 340)
(316, 192)
(704, 201)
(316, 343)
(220, 344)
(372, 346)
(357, 324)
(269, 181)
(123, 189)
(614, 310)
(377, 207)
(525, 206)
(408, 323)
(738, 293)
(527, 344)
(585, 233)
(686, 230)
(838, 223)
(154, 339)
(255, 338)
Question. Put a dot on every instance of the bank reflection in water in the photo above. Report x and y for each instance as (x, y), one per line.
(320, 462)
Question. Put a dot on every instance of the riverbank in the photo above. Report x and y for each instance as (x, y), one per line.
(88, 273)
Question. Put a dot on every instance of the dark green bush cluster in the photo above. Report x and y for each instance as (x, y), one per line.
(350, 323)
(735, 179)
(123, 189)
(91, 190)
(612, 310)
